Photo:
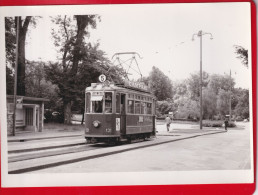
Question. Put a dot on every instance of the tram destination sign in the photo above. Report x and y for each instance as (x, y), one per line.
(137, 85)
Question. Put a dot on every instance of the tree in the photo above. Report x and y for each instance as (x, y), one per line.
(81, 62)
(209, 103)
(10, 32)
(242, 107)
(23, 29)
(193, 85)
(223, 102)
(69, 38)
(10, 41)
(9, 81)
(242, 54)
(188, 108)
(160, 84)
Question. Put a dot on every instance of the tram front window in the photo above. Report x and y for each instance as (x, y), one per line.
(97, 106)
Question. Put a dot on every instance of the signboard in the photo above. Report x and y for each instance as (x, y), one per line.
(102, 78)
(137, 85)
(117, 124)
(140, 119)
(19, 103)
(19, 106)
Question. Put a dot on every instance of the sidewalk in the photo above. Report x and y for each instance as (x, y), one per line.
(161, 131)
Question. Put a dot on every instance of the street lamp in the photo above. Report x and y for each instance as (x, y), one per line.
(200, 34)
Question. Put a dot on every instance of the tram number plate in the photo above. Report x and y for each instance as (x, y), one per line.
(141, 119)
(117, 124)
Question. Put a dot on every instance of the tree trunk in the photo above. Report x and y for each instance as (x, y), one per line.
(82, 22)
(67, 112)
(21, 55)
(82, 112)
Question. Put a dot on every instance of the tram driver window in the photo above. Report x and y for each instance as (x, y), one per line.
(97, 106)
(108, 102)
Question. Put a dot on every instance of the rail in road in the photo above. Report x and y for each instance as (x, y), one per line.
(55, 152)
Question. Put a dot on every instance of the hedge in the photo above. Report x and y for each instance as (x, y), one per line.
(217, 124)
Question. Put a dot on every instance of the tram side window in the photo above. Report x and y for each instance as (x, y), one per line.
(87, 102)
(117, 103)
(137, 107)
(148, 108)
(143, 108)
(108, 102)
(130, 106)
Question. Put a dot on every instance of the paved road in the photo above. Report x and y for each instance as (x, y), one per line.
(223, 151)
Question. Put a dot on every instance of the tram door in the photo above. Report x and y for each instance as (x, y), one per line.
(123, 114)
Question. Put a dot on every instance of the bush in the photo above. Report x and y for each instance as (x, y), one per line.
(218, 124)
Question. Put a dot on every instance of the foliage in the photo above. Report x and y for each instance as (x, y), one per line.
(81, 62)
(160, 84)
(193, 85)
(216, 94)
(217, 124)
(188, 108)
(242, 107)
(9, 81)
(242, 54)
(10, 40)
(37, 85)
(165, 106)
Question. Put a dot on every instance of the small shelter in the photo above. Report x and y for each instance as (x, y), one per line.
(29, 113)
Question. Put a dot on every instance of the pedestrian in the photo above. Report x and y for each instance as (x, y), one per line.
(226, 124)
(168, 121)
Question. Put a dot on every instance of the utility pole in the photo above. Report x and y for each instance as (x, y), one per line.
(200, 34)
(230, 96)
(15, 77)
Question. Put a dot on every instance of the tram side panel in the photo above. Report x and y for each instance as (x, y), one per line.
(136, 124)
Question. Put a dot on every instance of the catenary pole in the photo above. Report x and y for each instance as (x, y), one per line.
(15, 76)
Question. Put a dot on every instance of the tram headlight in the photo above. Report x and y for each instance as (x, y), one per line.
(87, 130)
(96, 124)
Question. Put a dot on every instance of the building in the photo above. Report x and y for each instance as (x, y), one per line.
(29, 113)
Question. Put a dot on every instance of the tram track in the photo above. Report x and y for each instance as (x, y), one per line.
(73, 156)
(67, 150)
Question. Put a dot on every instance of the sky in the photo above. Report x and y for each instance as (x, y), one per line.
(162, 35)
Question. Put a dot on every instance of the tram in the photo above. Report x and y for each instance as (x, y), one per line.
(115, 113)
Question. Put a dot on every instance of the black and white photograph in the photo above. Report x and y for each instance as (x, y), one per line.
(132, 94)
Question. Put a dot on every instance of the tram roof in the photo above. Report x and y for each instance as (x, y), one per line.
(114, 87)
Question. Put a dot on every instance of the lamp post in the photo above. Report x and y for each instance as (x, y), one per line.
(200, 34)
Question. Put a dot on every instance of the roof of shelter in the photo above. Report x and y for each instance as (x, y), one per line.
(36, 99)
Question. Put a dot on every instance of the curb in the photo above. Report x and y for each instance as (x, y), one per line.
(41, 138)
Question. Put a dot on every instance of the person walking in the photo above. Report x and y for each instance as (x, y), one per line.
(226, 124)
(168, 121)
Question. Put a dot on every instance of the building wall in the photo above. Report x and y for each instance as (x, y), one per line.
(20, 116)
(9, 123)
